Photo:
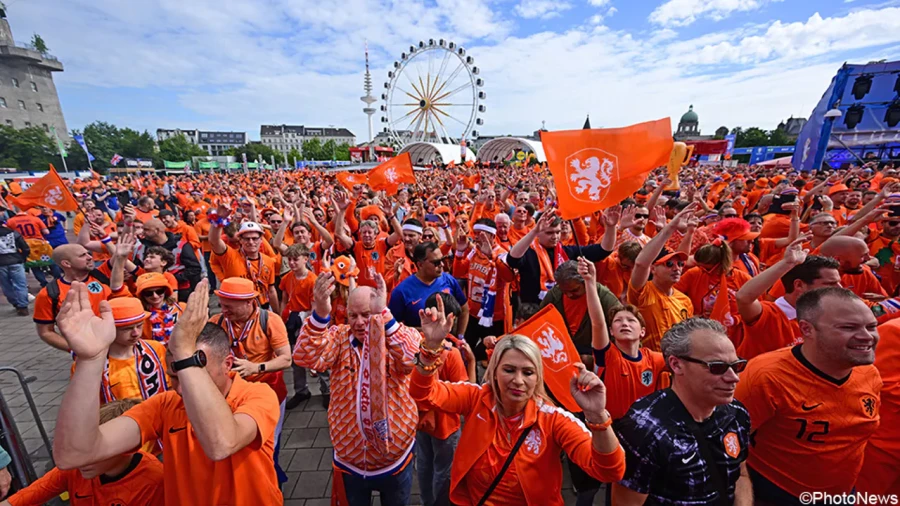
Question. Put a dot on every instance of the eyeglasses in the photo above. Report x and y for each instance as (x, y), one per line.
(158, 292)
(673, 263)
(641, 216)
(718, 367)
(428, 236)
(251, 239)
(892, 223)
(276, 222)
(437, 263)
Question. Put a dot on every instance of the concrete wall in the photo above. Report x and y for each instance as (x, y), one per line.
(46, 96)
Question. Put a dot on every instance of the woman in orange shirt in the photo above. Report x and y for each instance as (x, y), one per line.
(508, 452)
(155, 293)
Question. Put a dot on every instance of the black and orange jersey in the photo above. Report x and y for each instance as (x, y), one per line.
(627, 379)
(809, 430)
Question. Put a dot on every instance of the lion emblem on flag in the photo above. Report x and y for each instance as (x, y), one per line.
(591, 173)
(391, 175)
(53, 196)
(552, 347)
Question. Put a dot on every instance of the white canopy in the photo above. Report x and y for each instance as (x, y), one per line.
(424, 153)
(496, 150)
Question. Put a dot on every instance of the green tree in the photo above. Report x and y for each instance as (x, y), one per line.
(751, 137)
(343, 152)
(27, 149)
(134, 144)
(293, 154)
(178, 149)
(37, 42)
(779, 138)
(329, 150)
(312, 150)
(254, 151)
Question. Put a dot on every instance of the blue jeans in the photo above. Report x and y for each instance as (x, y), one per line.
(12, 280)
(394, 489)
(434, 457)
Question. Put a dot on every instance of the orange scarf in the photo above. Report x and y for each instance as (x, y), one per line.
(547, 270)
(372, 398)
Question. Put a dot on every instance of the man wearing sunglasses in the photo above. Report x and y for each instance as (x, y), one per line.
(815, 405)
(687, 444)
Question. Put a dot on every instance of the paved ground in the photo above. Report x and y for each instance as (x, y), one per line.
(306, 446)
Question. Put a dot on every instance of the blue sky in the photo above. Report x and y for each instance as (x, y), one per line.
(234, 64)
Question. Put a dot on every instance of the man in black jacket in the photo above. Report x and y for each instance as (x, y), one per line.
(13, 253)
(186, 269)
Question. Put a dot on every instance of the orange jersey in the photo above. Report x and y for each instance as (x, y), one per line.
(187, 232)
(612, 275)
(261, 271)
(628, 378)
(27, 225)
(43, 306)
(435, 422)
(660, 311)
(370, 261)
(202, 229)
(246, 478)
(703, 288)
(143, 217)
(257, 345)
(142, 485)
(775, 328)
(810, 430)
(887, 251)
(124, 382)
(298, 293)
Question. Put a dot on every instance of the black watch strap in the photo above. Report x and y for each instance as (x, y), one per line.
(198, 359)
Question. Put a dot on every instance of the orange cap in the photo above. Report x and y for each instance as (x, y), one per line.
(128, 311)
(838, 188)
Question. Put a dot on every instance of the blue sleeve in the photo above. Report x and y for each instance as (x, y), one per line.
(60, 218)
(456, 290)
(4, 458)
(397, 305)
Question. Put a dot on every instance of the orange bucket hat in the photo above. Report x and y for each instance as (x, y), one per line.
(152, 280)
(128, 311)
(237, 288)
(343, 269)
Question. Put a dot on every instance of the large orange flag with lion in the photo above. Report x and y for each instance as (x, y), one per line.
(548, 330)
(598, 168)
(49, 191)
(349, 179)
(388, 175)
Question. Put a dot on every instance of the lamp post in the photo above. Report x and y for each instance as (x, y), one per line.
(833, 115)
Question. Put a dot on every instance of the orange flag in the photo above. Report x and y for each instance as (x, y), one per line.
(548, 330)
(598, 168)
(388, 175)
(471, 181)
(50, 191)
(349, 179)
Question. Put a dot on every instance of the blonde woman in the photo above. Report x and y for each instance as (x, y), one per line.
(508, 452)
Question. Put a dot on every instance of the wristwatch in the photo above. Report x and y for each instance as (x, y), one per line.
(262, 367)
(198, 359)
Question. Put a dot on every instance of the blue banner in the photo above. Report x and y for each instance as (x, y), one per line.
(758, 155)
(80, 140)
(730, 149)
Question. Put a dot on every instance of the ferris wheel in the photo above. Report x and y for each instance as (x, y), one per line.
(433, 94)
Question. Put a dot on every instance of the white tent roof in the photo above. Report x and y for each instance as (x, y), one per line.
(496, 150)
(423, 153)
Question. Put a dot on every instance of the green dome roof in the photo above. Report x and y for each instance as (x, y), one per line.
(690, 116)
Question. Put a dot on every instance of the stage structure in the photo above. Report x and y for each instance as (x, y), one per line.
(432, 102)
(499, 149)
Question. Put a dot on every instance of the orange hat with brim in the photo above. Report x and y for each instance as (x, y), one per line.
(127, 311)
(369, 211)
(675, 254)
(838, 188)
(150, 280)
(762, 183)
(237, 289)
(343, 269)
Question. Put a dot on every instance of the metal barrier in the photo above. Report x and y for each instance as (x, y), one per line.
(21, 468)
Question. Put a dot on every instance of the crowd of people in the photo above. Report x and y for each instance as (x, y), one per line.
(736, 335)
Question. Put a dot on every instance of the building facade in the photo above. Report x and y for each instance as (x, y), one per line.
(28, 95)
(215, 143)
(284, 138)
(689, 128)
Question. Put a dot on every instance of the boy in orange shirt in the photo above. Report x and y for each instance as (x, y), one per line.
(130, 478)
(297, 287)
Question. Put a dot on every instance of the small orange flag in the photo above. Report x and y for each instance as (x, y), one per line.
(350, 179)
(471, 181)
(722, 310)
(388, 175)
(50, 191)
(548, 330)
(598, 168)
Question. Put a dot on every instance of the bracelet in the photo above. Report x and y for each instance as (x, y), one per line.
(106, 239)
(428, 368)
(429, 353)
(600, 426)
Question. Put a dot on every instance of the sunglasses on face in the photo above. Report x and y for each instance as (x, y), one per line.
(276, 222)
(717, 367)
(641, 216)
(160, 292)
(892, 223)
(673, 263)
(437, 263)
(429, 237)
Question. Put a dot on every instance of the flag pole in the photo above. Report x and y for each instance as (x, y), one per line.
(62, 156)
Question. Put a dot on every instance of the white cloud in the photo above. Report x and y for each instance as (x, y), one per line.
(543, 9)
(685, 12)
(598, 3)
(295, 61)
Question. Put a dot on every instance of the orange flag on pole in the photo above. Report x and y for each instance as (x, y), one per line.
(50, 191)
(350, 179)
(548, 330)
(388, 175)
(598, 168)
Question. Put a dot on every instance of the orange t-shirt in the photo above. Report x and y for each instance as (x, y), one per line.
(246, 478)
(629, 377)
(27, 225)
(43, 306)
(262, 270)
(123, 376)
(187, 232)
(259, 346)
(703, 288)
(810, 431)
(575, 309)
(143, 217)
(772, 330)
(370, 261)
(486, 469)
(298, 293)
(141, 486)
(202, 229)
(660, 311)
(435, 422)
(611, 275)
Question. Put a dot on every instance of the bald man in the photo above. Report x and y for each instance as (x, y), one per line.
(852, 254)
(76, 264)
(370, 359)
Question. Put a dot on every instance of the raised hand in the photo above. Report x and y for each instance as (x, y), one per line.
(658, 217)
(88, 335)
(611, 216)
(627, 218)
(685, 214)
(379, 295)
(795, 254)
(244, 367)
(589, 393)
(484, 244)
(546, 219)
(588, 271)
(183, 342)
(435, 325)
(341, 200)
(125, 245)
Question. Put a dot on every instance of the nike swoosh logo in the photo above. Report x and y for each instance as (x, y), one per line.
(114, 385)
(173, 430)
(413, 303)
(804, 407)
(685, 461)
(480, 417)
